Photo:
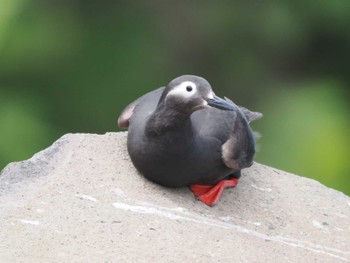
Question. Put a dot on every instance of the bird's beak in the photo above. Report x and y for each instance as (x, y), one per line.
(220, 103)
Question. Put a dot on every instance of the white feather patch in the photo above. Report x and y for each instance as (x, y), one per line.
(211, 95)
(183, 91)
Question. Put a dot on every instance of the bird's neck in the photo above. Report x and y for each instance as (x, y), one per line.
(165, 120)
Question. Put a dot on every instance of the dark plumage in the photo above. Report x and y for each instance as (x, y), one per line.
(183, 134)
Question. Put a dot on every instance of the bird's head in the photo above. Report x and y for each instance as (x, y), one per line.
(189, 93)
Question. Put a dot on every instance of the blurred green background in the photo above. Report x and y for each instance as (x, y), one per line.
(71, 66)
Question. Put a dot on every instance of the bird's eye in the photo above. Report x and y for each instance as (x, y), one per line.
(189, 88)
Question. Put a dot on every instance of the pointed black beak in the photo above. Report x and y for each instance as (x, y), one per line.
(220, 103)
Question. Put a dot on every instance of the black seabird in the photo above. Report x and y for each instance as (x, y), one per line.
(185, 135)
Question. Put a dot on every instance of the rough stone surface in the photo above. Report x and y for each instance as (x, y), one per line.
(81, 200)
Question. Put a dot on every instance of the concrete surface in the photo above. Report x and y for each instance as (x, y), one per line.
(81, 200)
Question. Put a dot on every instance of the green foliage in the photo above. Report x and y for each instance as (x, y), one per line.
(305, 131)
(24, 130)
(71, 66)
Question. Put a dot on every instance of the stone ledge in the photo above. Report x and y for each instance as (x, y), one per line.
(82, 200)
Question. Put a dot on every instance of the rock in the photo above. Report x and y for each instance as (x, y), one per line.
(82, 200)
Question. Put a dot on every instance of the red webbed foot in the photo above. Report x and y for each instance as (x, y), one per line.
(210, 194)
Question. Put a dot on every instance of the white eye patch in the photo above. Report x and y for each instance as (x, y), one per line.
(186, 89)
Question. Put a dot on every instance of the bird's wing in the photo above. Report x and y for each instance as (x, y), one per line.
(250, 115)
(123, 120)
(124, 117)
(239, 149)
